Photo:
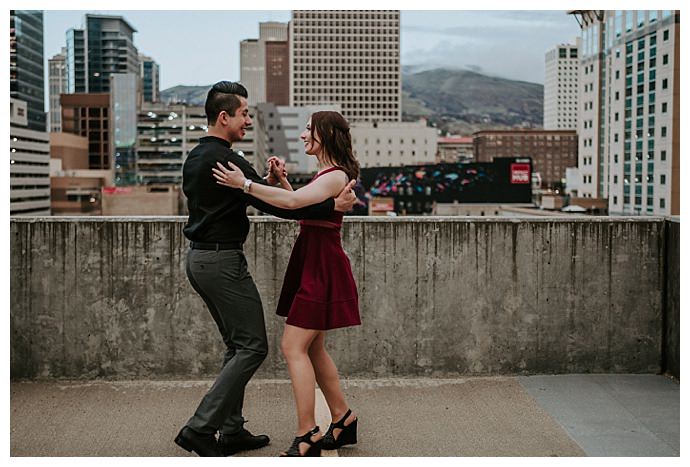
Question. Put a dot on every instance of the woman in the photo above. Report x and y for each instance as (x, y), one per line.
(319, 291)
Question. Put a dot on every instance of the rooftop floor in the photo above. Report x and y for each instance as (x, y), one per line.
(562, 415)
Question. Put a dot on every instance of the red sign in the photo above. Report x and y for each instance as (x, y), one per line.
(113, 190)
(519, 173)
(382, 204)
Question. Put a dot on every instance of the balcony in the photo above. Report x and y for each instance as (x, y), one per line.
(440, 297)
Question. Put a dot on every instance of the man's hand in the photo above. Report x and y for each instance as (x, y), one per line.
(346, 199)
(232, 178)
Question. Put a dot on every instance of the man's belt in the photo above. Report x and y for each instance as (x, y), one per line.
(215, 246)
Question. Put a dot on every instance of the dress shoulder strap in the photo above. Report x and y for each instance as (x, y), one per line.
(330, 169)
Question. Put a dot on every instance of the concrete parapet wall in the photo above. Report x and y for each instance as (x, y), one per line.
(108, 297)
(671, 350)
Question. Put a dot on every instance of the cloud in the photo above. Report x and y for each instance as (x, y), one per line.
(509, 44)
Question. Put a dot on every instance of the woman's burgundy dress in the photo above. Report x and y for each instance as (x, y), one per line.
(319, 291)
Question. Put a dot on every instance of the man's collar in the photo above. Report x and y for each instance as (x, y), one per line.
(209, 139)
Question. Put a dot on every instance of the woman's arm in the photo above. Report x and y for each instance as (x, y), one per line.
(326, 186)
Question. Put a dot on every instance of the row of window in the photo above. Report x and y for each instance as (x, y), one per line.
(350, 72)
(303, 90)
(563, 52)
(638, 179)
(638, 202)
(305, 65)
(639, 156)
(345, 56)
(345, 14)
(390, 141)
(384, 33)
(390, 153)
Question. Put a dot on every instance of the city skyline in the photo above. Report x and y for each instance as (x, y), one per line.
(492, 42)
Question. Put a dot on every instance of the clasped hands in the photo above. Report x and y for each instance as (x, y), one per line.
(234, 178)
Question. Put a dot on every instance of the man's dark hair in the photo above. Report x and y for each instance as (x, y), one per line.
(223, 96)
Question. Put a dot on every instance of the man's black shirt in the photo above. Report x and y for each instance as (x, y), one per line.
(218, 214)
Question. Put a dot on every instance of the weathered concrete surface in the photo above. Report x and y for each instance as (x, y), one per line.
(108, 297)
(672, 316)
(465, 417)
(613, 415)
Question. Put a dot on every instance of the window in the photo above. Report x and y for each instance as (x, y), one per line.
(562, 53)
(664, 107)
(615, 200)
(662, 203)
(664, 59)
(666, 35)
(663, 155)
(615, 117)
(662, 179)
(664, 83)
(663, 131)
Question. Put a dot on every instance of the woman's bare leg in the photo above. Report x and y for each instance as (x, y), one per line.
(326, 374)
(295, 345)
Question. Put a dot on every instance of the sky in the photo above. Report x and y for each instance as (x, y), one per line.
(201, 47)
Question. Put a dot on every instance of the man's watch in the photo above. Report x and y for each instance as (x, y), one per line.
(247, 185)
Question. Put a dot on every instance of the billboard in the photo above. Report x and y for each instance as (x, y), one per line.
(415, 188)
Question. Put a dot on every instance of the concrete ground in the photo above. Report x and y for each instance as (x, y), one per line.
(567, 415)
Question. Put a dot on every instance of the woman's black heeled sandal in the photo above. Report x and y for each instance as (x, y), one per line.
(314, 446)
(348, 433)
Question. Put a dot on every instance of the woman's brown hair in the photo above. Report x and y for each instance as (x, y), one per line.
(334, 136)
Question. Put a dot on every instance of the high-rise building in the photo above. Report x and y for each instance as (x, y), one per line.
(629, 122)
(104, 46)
(57, 84)
(149, 72)
(88, 115)
(264, 65)
(278, 72)
(552, 151)
(26, 64)
(560, 87)
(350, 58)
(76, 61)
(252, 71)
(165, 135)
(29, 164)
(123, 108)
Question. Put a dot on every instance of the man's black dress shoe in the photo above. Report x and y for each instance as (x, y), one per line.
(243, 440)
(203, 444)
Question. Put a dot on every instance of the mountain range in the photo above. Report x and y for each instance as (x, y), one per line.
(457, 101)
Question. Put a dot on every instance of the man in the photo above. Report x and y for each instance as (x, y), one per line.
(217, 270)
